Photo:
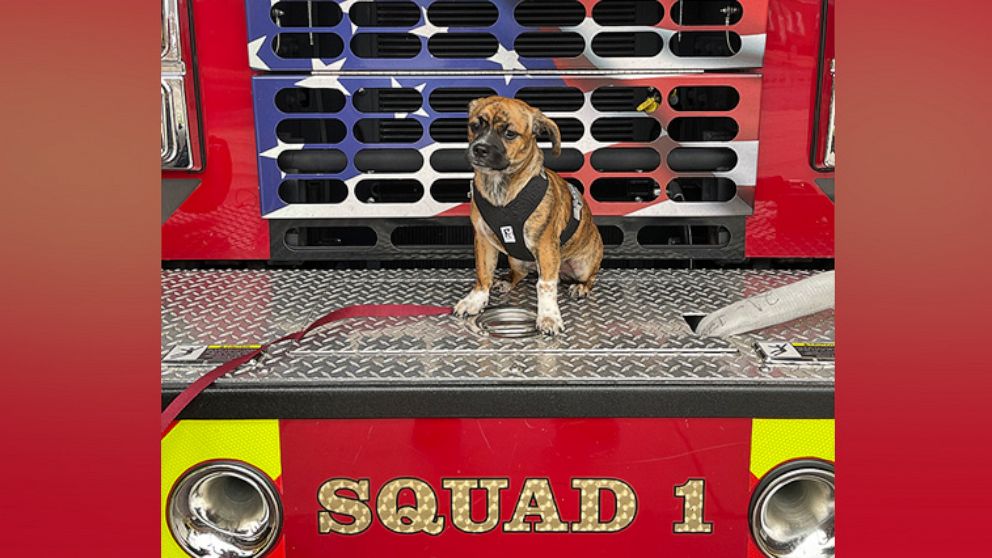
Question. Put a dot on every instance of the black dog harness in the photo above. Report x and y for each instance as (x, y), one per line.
(507, 222)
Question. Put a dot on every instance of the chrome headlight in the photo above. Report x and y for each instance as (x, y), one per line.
(224, 510)
(178, 149)
(792, 513)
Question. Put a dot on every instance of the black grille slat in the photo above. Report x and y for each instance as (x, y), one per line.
(450, 160)
(638, 129)
(642, 44)
(330, 237)
(450, 130)
(706, 12)
(705, 43)
(301, 161)
(625, 159)
(385, 45)
(701, 189)
(703, 98)
(308, 45)
(571, 129)
(305, 14)
(391, 190)
(570, 160)
(549, 13)
(625, 189)
(313, 191)
(462, 14)
(311, 130)
(384, 99)
(689, 235)
(451, 190)
(628, 12)
(456, 129)
(388, 160)
(302, 100)
(388, 130)
(456, 99)
(619, 99)
(705, 128)
(433, 235)
(462, 45)
(552, 99)
(549, 45)
(384, 14)
(702, 159)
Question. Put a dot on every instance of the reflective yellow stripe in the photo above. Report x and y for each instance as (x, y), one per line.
(774, 441)
(193, 441)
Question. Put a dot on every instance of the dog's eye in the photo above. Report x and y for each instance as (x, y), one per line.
(474, 125)
(510, 134)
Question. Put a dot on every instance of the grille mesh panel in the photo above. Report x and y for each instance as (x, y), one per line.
(416, 130)
(517, 35)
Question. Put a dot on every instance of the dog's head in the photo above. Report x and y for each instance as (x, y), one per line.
(502, 134)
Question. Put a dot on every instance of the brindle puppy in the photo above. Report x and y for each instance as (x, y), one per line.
(503, 151)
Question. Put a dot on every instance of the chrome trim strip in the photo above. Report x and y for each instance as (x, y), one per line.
(828, 157)
(175, 127)
(171, 44)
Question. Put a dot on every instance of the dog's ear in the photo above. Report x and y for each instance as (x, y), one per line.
(544, 125)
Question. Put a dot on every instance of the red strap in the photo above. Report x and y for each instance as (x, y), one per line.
(359, 311)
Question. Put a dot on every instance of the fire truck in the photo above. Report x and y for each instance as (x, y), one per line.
(313, 162)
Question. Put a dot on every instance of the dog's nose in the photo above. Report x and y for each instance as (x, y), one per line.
(480, 150)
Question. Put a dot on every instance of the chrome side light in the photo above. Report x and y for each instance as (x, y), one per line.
(224, 510)
(792, 513)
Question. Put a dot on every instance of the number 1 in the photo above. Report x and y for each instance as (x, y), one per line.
(692, 510)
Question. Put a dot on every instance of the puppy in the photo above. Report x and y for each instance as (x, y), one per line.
(526, 211)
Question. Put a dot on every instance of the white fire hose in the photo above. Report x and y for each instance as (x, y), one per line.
(802, 298)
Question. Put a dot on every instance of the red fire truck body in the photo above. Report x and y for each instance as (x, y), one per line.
(435, 436)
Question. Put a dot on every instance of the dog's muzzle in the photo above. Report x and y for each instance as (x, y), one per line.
(487, 155)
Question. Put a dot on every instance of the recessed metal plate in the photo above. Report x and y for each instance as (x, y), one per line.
(505, 322)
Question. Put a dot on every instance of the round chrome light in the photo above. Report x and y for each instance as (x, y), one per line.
(792, 513)
(224, 509)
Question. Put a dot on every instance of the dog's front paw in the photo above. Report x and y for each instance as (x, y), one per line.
(550, 324)
(579, 290)
(501, 287)
(472, 304)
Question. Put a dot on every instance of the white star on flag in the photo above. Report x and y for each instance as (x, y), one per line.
(508, 59)
(324, 80)
(274, 152)
(427, 29)
(254, 60)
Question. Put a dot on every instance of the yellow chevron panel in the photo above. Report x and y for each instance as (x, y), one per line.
(193, 441)
(776, 440)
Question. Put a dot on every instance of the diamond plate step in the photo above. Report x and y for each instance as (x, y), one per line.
(630, 331)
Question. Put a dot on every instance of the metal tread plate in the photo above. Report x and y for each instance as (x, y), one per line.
(630, 331)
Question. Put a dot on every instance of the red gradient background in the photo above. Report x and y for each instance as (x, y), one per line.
(914, 261)
(79, 363)
(79, 369)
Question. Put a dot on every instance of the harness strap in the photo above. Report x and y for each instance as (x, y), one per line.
(507, 222)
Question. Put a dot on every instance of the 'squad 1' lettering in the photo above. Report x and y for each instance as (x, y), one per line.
(410, 506)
